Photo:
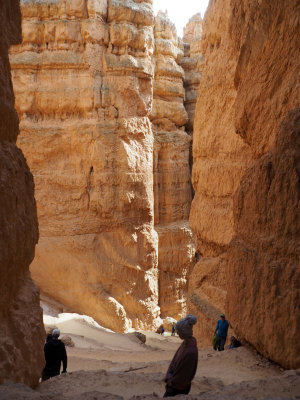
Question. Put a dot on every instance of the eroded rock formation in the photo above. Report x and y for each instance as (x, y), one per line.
(84, 83)
(247, 89)
(172, 185)
(220, 158)
(193, 65)
(263, 259)
(21, 326)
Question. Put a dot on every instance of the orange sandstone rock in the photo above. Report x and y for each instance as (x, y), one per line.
(219, 159)
(21, 325)
(247, 89)
(172, 186)
(263, 260)
(83, 82)
(193, 64)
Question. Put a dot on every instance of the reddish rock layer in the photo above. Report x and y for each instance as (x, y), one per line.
(21, 325)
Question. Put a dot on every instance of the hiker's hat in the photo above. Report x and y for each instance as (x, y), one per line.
(222, 315)
(56, 332)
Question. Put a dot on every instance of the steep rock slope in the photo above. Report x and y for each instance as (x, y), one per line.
(254, 46)
(83, 82)
(21, 325)
(172, 185)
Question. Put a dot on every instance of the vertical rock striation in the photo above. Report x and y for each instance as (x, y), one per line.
(220, 158)
(247, 90)
(193, 65)
(172, 186)
(83, 81)
(21, 325)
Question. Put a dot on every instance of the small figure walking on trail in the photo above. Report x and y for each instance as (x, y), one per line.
(221, 331)
(183, 367)
(55, 354)
(173, 329)
(162, 330)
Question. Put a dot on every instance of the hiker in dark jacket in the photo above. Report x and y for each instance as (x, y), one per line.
(55, 354)
(183, 367)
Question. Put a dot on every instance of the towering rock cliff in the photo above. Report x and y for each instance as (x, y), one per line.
(220, 158)
(248, 88)
(193, 65)
(21, 325)
(113, 198)
(83, 83)
(172, 185)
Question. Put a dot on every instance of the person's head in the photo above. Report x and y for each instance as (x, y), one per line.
(184, 326)
(222, 317)
(56, 333)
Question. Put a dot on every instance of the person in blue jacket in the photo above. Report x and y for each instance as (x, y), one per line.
(221, 331)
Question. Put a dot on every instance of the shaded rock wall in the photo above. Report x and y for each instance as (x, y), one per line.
(172, 185)
(252, 60)
(264, 258)
(21, 325)
(83, 82)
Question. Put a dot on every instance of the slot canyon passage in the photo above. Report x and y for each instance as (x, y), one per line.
(143, 177)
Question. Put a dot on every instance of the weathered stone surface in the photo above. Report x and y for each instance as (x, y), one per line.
(172, 186)
(22, 333)
(264, 258)
(193, 64)
(84, 90)
(252, 74)
(219, 160)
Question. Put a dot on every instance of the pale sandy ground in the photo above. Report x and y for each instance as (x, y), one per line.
(104, 364)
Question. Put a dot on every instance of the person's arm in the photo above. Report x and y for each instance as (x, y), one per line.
(64, 358)
(216, 331)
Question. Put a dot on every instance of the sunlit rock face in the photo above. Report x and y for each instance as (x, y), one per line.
(21, 325)
(113, 190)
(193, 64)
(219, 159)
(172, 186)
(247, 90)
(83, 83)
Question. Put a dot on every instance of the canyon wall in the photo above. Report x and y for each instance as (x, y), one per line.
(252, 55)
(112, 194)
(21, 324)
(193, 64)
(172, 185)
(220, 158)
(83, 84)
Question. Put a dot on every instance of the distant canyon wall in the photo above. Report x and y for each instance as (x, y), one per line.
(113, 190)
(245, 214)
(21, 324)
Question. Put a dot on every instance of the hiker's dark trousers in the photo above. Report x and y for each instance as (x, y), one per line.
(221, 344)
(171, 392)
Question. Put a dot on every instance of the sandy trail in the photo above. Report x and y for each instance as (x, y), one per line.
(120, 364)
